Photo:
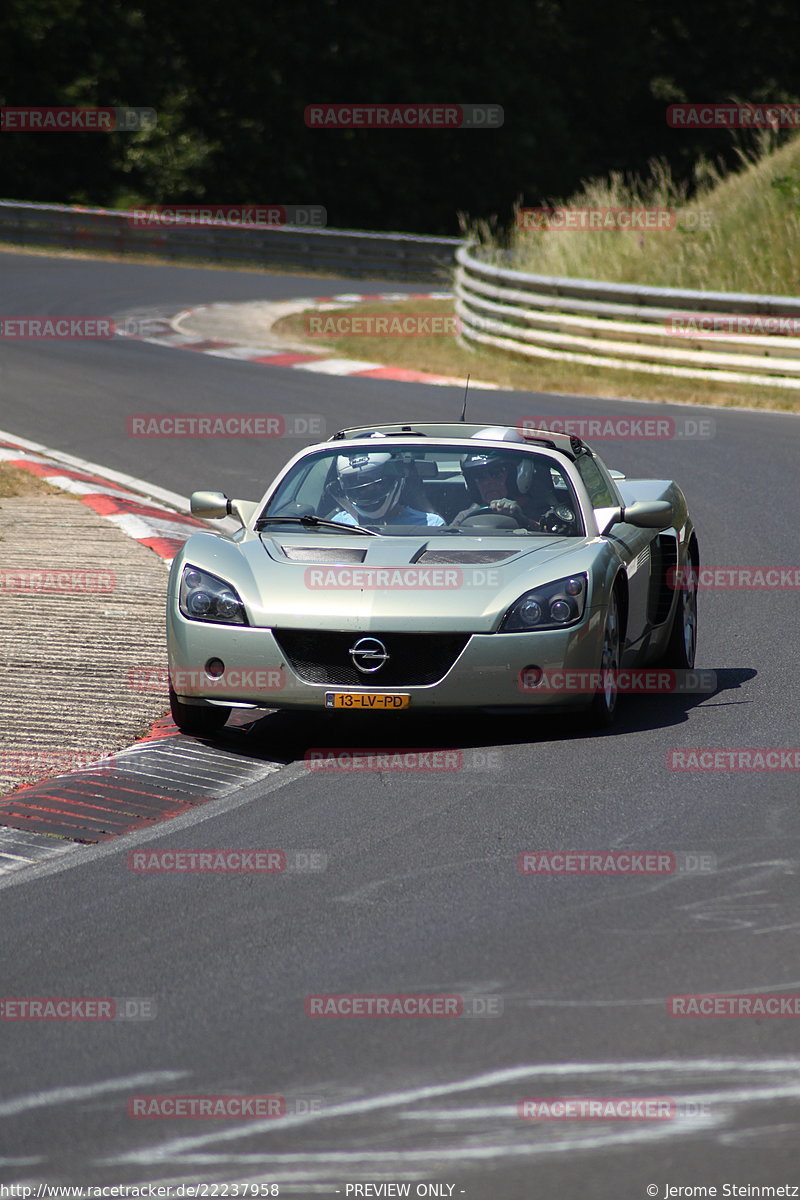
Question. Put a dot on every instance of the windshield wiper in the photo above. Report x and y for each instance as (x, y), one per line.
(311, 522)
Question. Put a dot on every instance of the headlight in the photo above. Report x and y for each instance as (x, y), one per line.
(203, 597)
(553, 606)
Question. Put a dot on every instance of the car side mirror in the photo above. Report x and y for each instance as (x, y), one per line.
(212, 506)
(244, 509)
(648, 514)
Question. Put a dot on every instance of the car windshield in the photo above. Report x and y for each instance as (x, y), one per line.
(391, 489)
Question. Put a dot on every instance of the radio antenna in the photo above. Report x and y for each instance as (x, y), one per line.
(463, 416)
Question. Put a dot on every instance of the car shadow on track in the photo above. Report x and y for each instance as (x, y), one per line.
(640, 713)
(287, 737)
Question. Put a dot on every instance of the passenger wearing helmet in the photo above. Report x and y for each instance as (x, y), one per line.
(371, 490)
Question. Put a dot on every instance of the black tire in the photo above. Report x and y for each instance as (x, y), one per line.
(603, 708)
(195, 719)
(682, 645)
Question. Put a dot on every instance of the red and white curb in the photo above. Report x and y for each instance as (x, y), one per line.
(155, 778)
(137, 513)
(168, 331)
(160, 777)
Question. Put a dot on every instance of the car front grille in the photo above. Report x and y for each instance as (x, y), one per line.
(415, 659)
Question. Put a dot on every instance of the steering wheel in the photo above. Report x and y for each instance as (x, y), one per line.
(558, 519)
(488, 516)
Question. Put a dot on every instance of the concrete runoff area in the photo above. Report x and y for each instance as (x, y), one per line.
(82, 641)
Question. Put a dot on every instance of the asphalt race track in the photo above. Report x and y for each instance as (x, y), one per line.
(421, 893)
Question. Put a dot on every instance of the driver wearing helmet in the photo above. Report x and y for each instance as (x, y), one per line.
(371, 490)
(501, 483)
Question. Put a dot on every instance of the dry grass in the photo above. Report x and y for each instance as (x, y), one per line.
(444, 356)
(738, 233)
(16, 481)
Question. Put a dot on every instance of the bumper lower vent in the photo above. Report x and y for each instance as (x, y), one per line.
(415, 659)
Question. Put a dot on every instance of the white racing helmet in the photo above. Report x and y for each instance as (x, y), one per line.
(371, 482)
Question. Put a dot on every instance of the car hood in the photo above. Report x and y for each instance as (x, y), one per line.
(343, 582)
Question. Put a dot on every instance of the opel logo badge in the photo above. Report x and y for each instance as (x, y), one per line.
(369, 655)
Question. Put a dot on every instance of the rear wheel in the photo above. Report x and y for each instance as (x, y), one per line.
(195, 719)
(604, 705)
(682, 644)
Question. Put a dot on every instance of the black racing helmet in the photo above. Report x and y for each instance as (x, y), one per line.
(480, 461)
(519, 468)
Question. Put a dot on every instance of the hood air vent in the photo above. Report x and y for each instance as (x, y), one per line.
(468, 557)
(323, 554)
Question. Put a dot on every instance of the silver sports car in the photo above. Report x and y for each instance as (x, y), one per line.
(436, 567)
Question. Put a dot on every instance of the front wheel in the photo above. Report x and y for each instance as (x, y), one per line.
(604, 705)
(195, 719)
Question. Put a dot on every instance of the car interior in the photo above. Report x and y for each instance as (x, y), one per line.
(431, 485)
(429, 491)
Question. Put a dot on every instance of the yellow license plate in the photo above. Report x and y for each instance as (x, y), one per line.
(377, 700)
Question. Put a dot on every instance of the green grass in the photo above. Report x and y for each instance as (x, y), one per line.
(740, 232)
(444, 356)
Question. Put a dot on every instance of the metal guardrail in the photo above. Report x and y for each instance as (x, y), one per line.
(622, 326)
(332, 251)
